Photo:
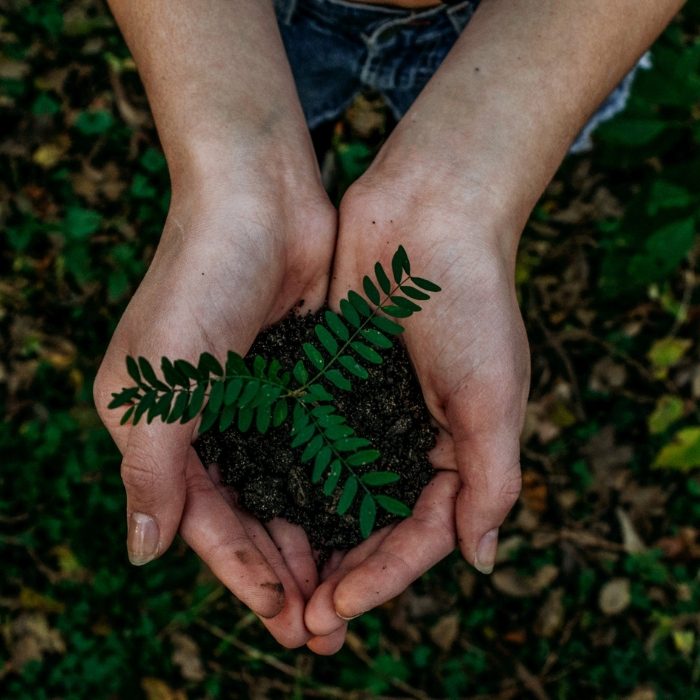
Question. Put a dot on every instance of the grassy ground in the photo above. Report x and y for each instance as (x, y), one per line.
(596, 593)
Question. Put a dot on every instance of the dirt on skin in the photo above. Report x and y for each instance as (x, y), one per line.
(266, 474)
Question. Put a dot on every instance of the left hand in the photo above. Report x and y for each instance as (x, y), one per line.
(470, 353)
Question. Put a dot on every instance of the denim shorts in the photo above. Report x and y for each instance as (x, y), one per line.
(338, 49)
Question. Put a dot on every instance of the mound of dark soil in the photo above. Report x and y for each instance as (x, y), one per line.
(267, 474)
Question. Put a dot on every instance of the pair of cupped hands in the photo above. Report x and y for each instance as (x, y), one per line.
(234, 258)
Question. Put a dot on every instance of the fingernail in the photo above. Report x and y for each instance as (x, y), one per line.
(347, 619)
(142, 539)
(486, 552)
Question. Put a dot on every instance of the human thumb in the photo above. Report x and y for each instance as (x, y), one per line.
(153, 473)
(489, 466)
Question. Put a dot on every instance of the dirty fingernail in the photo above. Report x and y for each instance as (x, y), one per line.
(486, 552)
(347, 619)
(142, 539)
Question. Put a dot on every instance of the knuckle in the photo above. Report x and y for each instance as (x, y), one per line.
(510, 486)
(140, 476)
(101, 392)
(437, 527)
(197, 482)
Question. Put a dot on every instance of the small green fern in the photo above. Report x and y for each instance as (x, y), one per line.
(263, 395)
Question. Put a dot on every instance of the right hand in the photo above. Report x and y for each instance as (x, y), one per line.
(233, 258)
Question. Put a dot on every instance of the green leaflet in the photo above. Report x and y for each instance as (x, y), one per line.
(233, 389)
(312, 449)
(352, 366)
(227, 416)
(314, 356)
(370, 290)
(323, 459)
(426, 284)
(179, 407)
(368, 515)
(327, 340)
(348, 495)
(133, 369)
(196, 402)
(263, 417)
(384, 324)
(379, 478)
(124, 397)
(366, 352)
(382, 278)
(377, 338)
(250, 393)
(333, 477)
(245, 418)
(350, 313)
(392, 505)
(336, 325)
(187, 370)
(208, 364)
(149, 375)
(360, 305)
(300, 373)
(280, 412)
(338, 379)
(414, 293)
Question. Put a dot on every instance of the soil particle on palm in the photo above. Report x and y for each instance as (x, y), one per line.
(266, 474)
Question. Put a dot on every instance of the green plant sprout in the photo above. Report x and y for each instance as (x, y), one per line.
(261, 394)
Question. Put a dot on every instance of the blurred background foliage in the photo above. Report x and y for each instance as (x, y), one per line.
(596, 591)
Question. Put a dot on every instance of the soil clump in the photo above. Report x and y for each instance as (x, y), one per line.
(267, 475)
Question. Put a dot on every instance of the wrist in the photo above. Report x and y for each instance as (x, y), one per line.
(255, 165)
(438, 203)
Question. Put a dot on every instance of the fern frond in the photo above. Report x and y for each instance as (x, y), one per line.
(361, 319)
(335, 449)
(222, 395)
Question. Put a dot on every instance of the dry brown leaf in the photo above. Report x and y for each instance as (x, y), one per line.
(186, 657)
(418, 606)
(567, 499)
(606, 375)
(511, 582)
(508, 547)
(535, 424)
(527, 519)
(685, 544)
(542, 539)
(534, 492)
(641, 694)
(551, 615)
(467, 583)
(518, 636)
(30, 637)
(444, 632)
(614, 596)
(366, 117)
(156, 689)
(49, 154)
(13, 70)
(608, 460)
(631, 540)
(33, 600)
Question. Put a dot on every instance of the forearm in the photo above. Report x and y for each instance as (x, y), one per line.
(500, 113)
(219, 84)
